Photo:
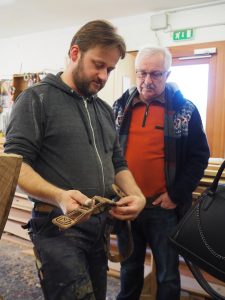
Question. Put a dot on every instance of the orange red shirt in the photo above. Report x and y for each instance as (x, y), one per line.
(145, 147)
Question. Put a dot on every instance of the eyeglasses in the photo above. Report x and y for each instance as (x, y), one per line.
(155, 75)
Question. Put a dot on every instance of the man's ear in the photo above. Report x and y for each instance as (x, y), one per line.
(74, 53)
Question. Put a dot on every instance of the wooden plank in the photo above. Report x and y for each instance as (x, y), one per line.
(22, 203)
(115, 267)
(209, 175)
(15, 228)
(213, 167)
(19, 215)
(215, 160)
(212, 173)
(190, 285)
(206, 181)
(10, 165)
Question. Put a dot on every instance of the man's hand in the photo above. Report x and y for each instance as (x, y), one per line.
(72, 199)
(128, 207)
(165, 202)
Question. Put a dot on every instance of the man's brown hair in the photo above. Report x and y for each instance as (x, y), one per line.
(98, 33)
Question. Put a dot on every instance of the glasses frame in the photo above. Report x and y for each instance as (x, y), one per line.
(154, 75)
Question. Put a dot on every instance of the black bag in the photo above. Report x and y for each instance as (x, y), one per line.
(200, 238)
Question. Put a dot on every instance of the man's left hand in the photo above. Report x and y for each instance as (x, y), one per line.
(128, 207)
(165, 202)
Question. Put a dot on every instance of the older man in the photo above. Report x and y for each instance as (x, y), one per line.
(166, 148)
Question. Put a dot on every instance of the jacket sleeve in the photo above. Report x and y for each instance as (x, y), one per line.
(24, 132)
(192, 162)
(119, 104)
(118, 109)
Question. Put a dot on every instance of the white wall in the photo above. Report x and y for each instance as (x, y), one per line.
(35, 52)
(137, 30)
(47, 51)
(120, 79)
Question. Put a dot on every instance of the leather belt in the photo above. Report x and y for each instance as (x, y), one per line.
(43, 207)
(47, 208)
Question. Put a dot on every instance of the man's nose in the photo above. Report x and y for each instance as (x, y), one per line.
(103, 75)
(148, 78)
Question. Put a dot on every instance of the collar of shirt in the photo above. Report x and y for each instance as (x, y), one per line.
(157, 100)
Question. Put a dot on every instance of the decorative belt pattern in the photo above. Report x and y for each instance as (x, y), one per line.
(98, 205)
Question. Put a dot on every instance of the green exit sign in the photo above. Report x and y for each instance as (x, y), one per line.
(182, 35)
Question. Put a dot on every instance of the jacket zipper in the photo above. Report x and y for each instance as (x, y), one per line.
(95, 146)
(145, 115)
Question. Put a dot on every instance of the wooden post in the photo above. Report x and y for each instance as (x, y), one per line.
(10, 165)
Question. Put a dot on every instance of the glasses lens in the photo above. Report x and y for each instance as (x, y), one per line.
(155, 75)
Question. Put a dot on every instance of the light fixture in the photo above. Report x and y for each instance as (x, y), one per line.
(159, 21)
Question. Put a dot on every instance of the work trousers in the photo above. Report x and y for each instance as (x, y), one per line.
(152, 227)
(72, 263)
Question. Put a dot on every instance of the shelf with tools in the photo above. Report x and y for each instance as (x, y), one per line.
(9, 90)
(22, 81)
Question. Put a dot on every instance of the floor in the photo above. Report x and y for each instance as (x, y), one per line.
(18, 276)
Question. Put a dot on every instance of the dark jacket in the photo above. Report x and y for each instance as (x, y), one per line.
(186, 147)
(70, 141)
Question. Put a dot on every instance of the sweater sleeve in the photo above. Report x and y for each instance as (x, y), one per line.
(24, 132)
(119, 161)
(192, 166)
(118, 158)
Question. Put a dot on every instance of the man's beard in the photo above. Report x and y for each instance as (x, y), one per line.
(83, 85)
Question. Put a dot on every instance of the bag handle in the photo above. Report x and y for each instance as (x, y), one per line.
(214, 185)
(203, 283)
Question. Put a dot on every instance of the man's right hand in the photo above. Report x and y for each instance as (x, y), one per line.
(71, 200)
(36, 186)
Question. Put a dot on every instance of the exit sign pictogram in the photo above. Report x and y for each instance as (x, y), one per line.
(181, 35)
